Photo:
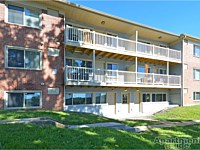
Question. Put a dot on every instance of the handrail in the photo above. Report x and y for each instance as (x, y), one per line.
(82, 74)
(99, 39)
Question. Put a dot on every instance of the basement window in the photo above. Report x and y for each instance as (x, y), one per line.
(23, 99)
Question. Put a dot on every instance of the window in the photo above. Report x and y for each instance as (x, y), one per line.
(125, 98)
(78, 63)
(23, 16)
(196, 95)
(23, 99)
(196, 74)
(15, 14)
(162, 71)
(79, 69)
(141, 69)
(78, 98)
(154, 97)
(112, 69)
(100, 98)
(21, 58)
(196, 51)
(146, 97)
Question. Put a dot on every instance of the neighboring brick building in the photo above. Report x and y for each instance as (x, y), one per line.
(59, 55)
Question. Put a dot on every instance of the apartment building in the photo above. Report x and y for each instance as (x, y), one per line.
(62, 56)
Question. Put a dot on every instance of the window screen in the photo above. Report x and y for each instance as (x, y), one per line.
(15, 14)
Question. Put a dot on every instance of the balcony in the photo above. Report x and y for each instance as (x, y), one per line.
(94, 40)
(100, 77)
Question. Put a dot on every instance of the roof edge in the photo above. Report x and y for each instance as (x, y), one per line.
(115, 17)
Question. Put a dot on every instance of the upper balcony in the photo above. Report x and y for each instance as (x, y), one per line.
(118, 78)
(93, 40)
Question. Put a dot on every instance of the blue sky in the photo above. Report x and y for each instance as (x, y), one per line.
(173, 16)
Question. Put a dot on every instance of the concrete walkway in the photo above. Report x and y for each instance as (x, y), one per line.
(115, 125)
(137, 128)
(39, 121)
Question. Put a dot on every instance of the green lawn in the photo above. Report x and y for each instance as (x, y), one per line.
(68, 118)
(30, 136)
(180, 114)
(64, 117)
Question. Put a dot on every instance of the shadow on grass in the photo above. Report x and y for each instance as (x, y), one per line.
(31, 136)
(67, 118)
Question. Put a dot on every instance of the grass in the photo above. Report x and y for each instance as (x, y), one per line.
(30, 136)
(180, 114)
(68, 118)
(64, 117)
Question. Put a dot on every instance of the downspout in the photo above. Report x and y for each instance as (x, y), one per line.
(182, 36)
(64, 88)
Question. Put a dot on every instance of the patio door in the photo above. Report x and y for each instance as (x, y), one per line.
(125, 100)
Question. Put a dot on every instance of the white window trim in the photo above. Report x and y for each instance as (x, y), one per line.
(194, 45)
(79, 93)
(197, 100)
(25, 7)
(21, 91)
(93, 99)
(151, 93)
(100, 100)
(111, 70)
(128, 99)
(194, 74)
(24, 49)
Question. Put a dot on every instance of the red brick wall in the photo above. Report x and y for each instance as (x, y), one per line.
(51, 33)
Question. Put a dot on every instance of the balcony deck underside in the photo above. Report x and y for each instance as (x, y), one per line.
(118, 85)
(113, 55)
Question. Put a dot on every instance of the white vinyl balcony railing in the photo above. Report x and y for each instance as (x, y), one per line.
(107, 77)
(87, 37)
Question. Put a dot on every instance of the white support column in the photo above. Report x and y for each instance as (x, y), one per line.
(167, 68)
(136, 40)
(168, 72)
(93, 64)
(136, 66)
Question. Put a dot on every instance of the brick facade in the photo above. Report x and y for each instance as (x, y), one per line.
(50, 35)
(190, 83)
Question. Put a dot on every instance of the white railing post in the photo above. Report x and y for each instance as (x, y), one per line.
(136, 70)
(153, 78)
(136, 41)
(93, 64)
(94, 36)
(153, 49)
(168, 80)
(117, 76)
(168, 54)
(117, 42)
